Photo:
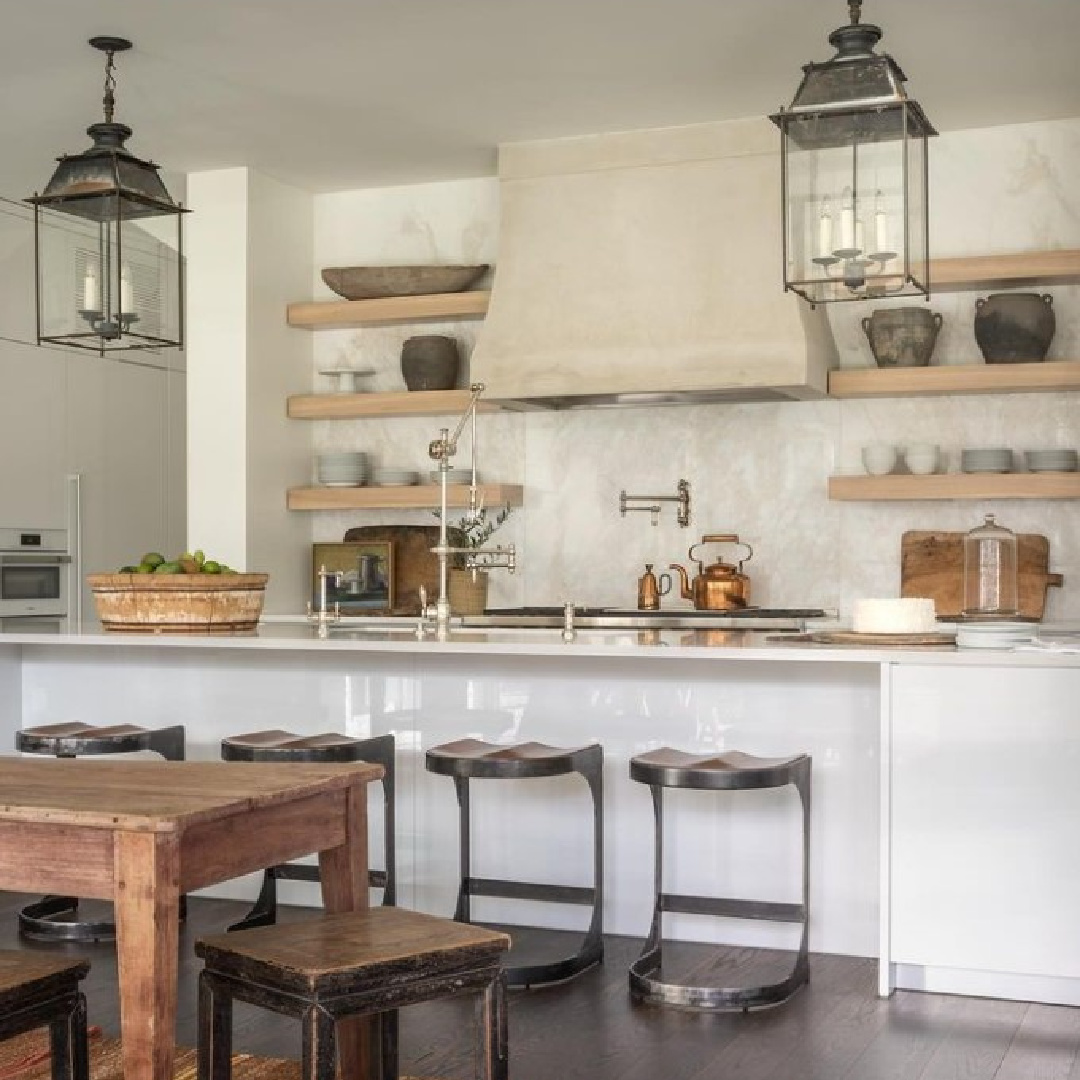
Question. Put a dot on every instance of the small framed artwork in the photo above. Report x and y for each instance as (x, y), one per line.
(365, 585)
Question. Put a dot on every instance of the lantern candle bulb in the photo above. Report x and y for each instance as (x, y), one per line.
(881, 227)
(825, 247)
(127, 299)
(90, 289)
(847, 222)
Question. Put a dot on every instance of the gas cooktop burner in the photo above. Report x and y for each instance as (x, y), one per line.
(591, 618)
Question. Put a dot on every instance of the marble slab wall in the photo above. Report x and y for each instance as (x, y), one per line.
(758, 470)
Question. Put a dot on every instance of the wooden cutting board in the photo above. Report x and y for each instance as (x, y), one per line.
(414, 563)
(932, 565)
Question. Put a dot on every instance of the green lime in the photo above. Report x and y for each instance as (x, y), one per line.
(152, 559)
(167, 568)
(128, 570)
(198, 556)
(211, 567)
(144, 568)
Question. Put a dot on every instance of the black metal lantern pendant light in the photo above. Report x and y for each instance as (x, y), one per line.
(854, 176)
(108, 243)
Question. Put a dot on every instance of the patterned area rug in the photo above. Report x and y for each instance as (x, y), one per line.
(26, 1057)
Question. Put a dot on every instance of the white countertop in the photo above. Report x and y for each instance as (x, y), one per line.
(640, 644)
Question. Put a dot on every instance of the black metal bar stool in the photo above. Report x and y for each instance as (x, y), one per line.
(668, 768)
(470, 759)
(52, 917)
(284, 746)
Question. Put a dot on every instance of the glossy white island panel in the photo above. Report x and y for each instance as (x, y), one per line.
(922, 772)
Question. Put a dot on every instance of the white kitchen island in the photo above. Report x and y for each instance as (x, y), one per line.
(944, 807)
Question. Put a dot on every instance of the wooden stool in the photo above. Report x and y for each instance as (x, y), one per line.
(283, 746)
(38, 990)
(354, 964)
(721, 772)
(45, 920)
(470, 759)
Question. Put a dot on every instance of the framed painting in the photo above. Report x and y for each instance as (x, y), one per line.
(365, 584)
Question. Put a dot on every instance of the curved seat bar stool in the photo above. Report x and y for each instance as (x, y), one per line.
(733, 771)
(472, 759)
(329, 748)
(50, 918)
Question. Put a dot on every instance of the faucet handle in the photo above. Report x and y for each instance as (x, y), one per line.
(422, 592)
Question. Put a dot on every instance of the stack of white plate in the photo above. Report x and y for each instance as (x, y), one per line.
(986, 459)
(454, 476)
(390, 476)
(347, 468)
(1056, 459)
(994, 634)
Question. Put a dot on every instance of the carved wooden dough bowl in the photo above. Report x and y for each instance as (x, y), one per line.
(179, 603)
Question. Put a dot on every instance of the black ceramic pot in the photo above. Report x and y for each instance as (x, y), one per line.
(430, 362)
(1014, 327)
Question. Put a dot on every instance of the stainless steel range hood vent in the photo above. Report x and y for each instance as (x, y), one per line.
(647, 263)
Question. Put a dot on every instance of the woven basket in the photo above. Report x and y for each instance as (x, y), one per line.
(179, 603)
(468, 597)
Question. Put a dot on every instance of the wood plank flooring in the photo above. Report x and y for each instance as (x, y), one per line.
(587, 1029)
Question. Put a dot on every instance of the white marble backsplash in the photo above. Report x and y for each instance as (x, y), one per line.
(758, 470)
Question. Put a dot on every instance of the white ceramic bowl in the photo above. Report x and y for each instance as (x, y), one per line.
(879, 458)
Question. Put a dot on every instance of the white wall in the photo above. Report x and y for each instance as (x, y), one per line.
(758, 470)
(250, 254)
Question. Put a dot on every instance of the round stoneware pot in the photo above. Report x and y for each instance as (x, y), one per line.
(902, 337)
(430, 362)
(1012, 328)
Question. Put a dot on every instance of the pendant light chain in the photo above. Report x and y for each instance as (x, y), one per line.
(109, 100)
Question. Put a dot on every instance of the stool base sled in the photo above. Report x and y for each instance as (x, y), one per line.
(54, 918)
(39, 990)
(471, 759)
(361, 963)
(284, 746)
(732, 772)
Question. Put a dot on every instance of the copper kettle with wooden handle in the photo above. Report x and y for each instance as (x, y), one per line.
(719, 586)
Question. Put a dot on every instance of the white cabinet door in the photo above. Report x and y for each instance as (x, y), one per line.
(32, 437)
(985, 805)
(119, 444)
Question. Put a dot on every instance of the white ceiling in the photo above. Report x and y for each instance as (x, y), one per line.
(339, 94)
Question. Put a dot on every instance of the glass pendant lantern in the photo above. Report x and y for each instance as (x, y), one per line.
(854, 176)
(108, 244)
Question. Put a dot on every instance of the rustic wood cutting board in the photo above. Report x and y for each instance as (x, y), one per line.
(932, 565)
(414, 563)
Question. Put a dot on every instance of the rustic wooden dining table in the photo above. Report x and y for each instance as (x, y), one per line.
(142, 833)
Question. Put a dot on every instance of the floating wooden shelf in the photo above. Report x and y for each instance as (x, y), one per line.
(956, 486)
(339, 314)
(392, 403)
(415, 497)
(1004, 271)
(955, 379)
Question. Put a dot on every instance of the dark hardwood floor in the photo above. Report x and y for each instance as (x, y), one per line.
(587, 1029)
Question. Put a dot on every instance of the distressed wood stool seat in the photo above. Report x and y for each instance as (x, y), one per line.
(360, 963)
(471, 759)
(53, 918)
(38, 990)
(284, 746)
(734, 771)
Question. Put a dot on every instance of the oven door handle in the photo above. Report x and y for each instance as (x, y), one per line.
(33, 560)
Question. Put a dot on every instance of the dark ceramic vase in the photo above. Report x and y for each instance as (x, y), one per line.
(430, 362)
(902, 337)
(1014, 327)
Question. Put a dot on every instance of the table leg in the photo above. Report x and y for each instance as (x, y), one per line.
(343, 873)
(146, 900)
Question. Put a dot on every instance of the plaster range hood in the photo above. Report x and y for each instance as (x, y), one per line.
(644, 268)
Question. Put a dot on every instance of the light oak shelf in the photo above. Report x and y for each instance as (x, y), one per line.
(392, 403)
(955, 379)
(414, 497)
(340, 314)
(956, 486)
(1004, 271)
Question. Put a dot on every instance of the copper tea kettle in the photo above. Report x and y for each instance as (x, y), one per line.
(721, 586)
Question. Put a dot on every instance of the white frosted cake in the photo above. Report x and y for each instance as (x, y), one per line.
(911, 615)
